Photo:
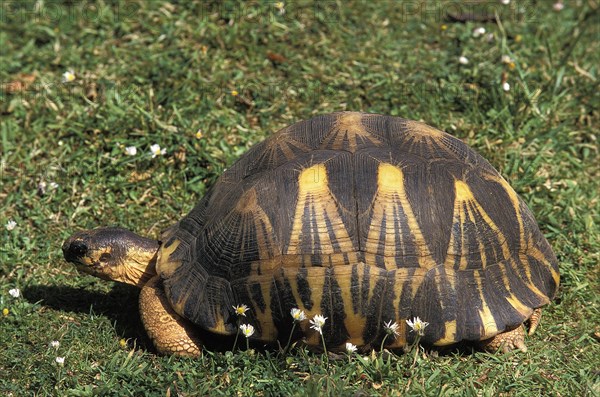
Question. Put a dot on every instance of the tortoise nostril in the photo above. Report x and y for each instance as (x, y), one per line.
(77, 249)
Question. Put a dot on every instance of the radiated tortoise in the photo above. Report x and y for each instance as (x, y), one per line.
(361, 218)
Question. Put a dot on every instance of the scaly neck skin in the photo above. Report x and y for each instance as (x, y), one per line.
(137, 269)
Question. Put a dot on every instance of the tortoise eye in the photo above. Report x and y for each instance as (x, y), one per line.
(105, 257)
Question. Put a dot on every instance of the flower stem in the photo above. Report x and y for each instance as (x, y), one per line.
(416, 347)
(237, 334)
(325, 349)
(383, 342)
(287, 346)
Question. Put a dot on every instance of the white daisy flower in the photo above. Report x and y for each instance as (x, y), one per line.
(157, 151)
(10, 225)
(297, 314)
(417, 325)
(68, 76)
(480, 31)
(317, 323)
(247, 330)
(55, 344)
(391, 328)
(132, 150)
(350, 348)
(240, 310)
(14, 292)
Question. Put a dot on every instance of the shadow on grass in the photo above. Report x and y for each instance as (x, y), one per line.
(120, 305)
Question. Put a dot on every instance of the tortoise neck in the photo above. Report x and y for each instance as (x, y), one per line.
(139, 263)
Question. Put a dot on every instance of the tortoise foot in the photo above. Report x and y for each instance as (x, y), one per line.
(506, 341)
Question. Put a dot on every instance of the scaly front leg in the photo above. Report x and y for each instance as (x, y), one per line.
(170, 333)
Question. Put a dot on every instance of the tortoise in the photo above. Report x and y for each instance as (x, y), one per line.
(364, 219)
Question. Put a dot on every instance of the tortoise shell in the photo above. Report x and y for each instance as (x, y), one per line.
(364, 219)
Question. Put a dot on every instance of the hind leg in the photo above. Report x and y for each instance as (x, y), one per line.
(170, 333)
(506, 341)
(534, 320)
(514, 339)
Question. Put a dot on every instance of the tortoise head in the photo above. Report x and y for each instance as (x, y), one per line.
(113, 253)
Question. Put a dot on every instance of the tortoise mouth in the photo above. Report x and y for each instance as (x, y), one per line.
(95, 269)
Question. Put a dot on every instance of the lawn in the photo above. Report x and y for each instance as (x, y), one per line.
(84, 82)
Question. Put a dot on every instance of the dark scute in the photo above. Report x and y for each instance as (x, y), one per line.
(380, 262)
(495, 293)
(409, 137)
(540, 272)
(282, 302)
(521, 286)
(204, 298)
(373, 314)
(249, 164)
(244, 290)
(229, 243)
(365, 180)
(284, 295)
(457, 233)
(409, 253)
(332, 306)
(311, 132)
(404, 308)
(355, 289)
(341, 175)
(476, 232)
(430, 192)
(367, 163)
(257, 296)
(497, 204)
(460, 151)
(427, 305)
(379, 126)
(304, 289)
(541, 276)
(365, 288)
(388, 312)
(380, 308)
(468, 322)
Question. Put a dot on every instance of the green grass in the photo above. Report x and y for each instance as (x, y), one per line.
(154, 72)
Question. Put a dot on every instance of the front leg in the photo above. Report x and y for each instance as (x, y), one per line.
(170, 333)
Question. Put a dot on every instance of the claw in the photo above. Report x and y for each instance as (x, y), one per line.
(520, 344)
(534, 320)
